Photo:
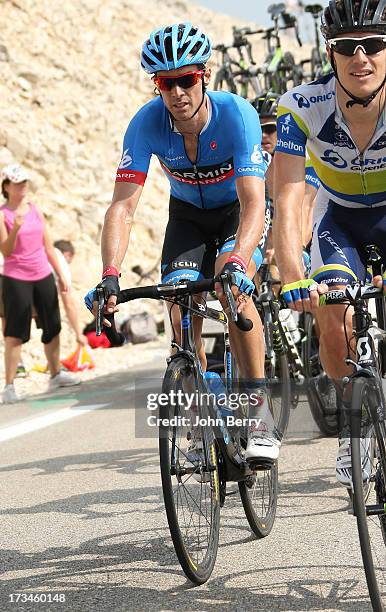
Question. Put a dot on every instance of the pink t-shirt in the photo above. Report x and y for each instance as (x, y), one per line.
(28, 260)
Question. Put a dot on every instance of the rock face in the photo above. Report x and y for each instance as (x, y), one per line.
(70, 82)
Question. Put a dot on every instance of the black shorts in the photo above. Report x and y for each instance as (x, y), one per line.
(1, 297)
(194, 237)
(19, 296)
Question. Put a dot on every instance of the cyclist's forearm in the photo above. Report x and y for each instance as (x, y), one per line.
(250, 229)
(307, 210)
(287, 239)
(115, 234)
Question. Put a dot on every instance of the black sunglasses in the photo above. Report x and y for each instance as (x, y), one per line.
(349, 46)
(269, 128)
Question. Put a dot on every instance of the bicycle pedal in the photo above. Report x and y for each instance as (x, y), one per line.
(258, 465)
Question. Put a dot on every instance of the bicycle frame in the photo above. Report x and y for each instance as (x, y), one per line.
(236, 468)
(271, 306)
(365, 333)
(242, 72)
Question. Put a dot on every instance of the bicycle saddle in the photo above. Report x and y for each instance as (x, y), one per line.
(314, 9)
(276, 9)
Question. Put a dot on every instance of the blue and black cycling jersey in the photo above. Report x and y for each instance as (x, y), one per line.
(229, 146)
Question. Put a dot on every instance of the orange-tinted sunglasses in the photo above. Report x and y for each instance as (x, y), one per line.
(185, 81)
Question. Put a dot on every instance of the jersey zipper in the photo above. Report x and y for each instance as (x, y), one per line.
(195, 169)
(199, 185)
(363, 173)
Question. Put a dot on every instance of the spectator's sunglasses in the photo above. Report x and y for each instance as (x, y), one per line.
(185, 81)
(349, 46)
(268, 128)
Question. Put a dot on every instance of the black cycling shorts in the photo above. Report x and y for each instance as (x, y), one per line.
(19, 296)
(194, 237)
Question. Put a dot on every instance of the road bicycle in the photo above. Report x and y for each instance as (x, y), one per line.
(364, 395)
(194, 483)
(239, 76)
(280, 70)
(300, 344)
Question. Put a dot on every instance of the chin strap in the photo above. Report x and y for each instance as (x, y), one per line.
(354, 99)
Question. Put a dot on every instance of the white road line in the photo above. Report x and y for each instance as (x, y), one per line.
(30, 425)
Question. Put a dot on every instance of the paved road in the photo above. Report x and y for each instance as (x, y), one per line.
(82, 515)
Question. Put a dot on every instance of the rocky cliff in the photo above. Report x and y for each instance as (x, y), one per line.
(70, 82)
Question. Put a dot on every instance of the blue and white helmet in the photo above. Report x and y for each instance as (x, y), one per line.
(171, 47)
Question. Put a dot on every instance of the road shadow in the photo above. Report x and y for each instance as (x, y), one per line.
(102, 574)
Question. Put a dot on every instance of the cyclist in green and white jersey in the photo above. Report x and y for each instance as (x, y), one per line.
(340, 119)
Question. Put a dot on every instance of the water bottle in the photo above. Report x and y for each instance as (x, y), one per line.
(286, 316)
(216, 386)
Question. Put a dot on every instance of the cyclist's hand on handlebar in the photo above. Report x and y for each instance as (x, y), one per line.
(111, 290)
(303, 294)
(379, 281)
(242, 286)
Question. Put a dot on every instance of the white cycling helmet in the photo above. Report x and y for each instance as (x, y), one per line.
(14, 173)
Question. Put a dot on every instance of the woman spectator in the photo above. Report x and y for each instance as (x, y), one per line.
(28, 281)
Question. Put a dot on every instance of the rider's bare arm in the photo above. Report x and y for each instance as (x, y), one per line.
(118, 222)
(287, 222)
(307, 209)
(250, 191)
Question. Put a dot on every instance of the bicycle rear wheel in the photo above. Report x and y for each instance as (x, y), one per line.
(189, 474)
(368, 434)
(259, 498)
(224, 81)
(320, 389)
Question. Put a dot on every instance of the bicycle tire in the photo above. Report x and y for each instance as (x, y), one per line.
(277, 375)
(316, 381)
(260, 514)
(223, 83)
(364, 392)
(197, 490)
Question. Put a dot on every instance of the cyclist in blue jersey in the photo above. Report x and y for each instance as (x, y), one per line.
(209, 147)
(341, 120)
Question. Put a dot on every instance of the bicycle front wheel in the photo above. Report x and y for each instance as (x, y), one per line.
(368, 456)
(277, 376)
(189, 473)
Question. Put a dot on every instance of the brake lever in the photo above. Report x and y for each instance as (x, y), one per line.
(226, 285)
(100, 307)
